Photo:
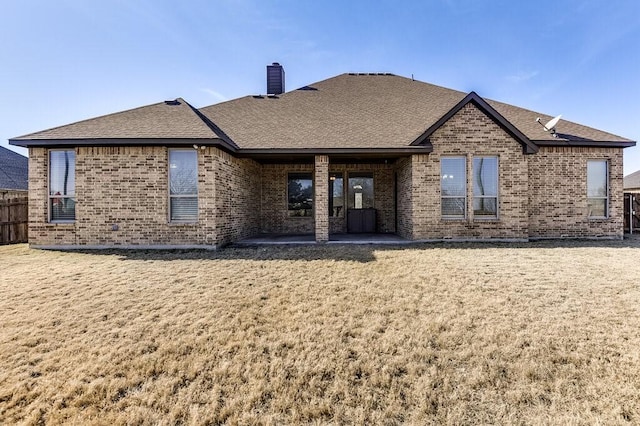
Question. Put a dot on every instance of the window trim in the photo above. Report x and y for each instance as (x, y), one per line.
(497, 196)
(51, 197)
(607, 197)
(466, 189)
(171, 196)
(313, 194)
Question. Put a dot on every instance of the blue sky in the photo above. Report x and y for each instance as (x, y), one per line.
(68, 60)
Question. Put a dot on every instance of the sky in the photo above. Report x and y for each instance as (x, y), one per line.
(68, 60)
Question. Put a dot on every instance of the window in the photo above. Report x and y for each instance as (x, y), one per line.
(453, 187)
(62, 185)
(300, 194)
(485, 187)
(360, 191)
(597, 188)
(183, 185)
(336, 200)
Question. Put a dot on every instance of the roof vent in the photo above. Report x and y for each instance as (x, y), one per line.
(173, 103)
(275, 79)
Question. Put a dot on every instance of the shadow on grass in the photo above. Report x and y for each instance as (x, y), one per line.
(361, 253)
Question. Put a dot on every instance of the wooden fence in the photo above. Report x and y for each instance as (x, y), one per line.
(14, 220)
(632, 213)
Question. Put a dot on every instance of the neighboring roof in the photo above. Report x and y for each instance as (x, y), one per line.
(632, 181)
(346, 112)
(14, 170)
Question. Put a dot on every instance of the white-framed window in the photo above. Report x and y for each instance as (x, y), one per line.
(183, 185)
(485, 187)
(453, 187)
(300, 194)
(62, 185)
(598, 188)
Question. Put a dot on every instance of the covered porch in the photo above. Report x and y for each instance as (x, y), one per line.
(340, 198)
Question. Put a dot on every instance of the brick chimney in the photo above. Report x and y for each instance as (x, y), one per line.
(275, 79)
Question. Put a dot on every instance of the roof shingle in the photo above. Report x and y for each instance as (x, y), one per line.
(14, 170)
(164, 120)
(356, 111)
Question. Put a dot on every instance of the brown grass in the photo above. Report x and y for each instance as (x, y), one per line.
(457, 333)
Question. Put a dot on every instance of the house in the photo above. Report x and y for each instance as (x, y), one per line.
(631, 182)
(353, 153)
(13, 174)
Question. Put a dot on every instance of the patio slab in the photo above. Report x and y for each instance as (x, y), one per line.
(275, 239)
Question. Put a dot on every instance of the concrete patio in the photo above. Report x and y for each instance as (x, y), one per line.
(277, 239)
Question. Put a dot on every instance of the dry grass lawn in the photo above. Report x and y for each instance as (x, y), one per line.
(445, 333)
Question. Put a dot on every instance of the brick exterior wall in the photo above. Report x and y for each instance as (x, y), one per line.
(275, 219)
(404, 184)
(558, 193)
(321, 198)
(471, 133)
(128, 187)
(541, 195)
(238, 191)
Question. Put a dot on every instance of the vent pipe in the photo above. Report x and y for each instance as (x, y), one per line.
(275, 79)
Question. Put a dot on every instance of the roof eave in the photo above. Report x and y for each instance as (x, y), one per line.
(594, 144)
(528, 147)
(408, 150)
(52, 143)
(306, 155)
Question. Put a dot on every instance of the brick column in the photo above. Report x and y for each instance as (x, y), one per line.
(321, 201)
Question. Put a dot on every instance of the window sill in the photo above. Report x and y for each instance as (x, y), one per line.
(61, 222)
(190, 223)
(601, 218)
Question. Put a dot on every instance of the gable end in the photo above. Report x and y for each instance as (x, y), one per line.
(528, 147)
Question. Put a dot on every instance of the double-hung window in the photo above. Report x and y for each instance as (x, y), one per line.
(453, 187)
(62, 185)
(485, 187)
(598, 188)
(183, 185)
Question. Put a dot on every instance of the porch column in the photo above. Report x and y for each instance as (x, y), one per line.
(321, 201)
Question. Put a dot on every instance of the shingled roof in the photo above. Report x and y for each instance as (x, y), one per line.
(14, 170)
(632, 181)
(349, 111)
(168, 120)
